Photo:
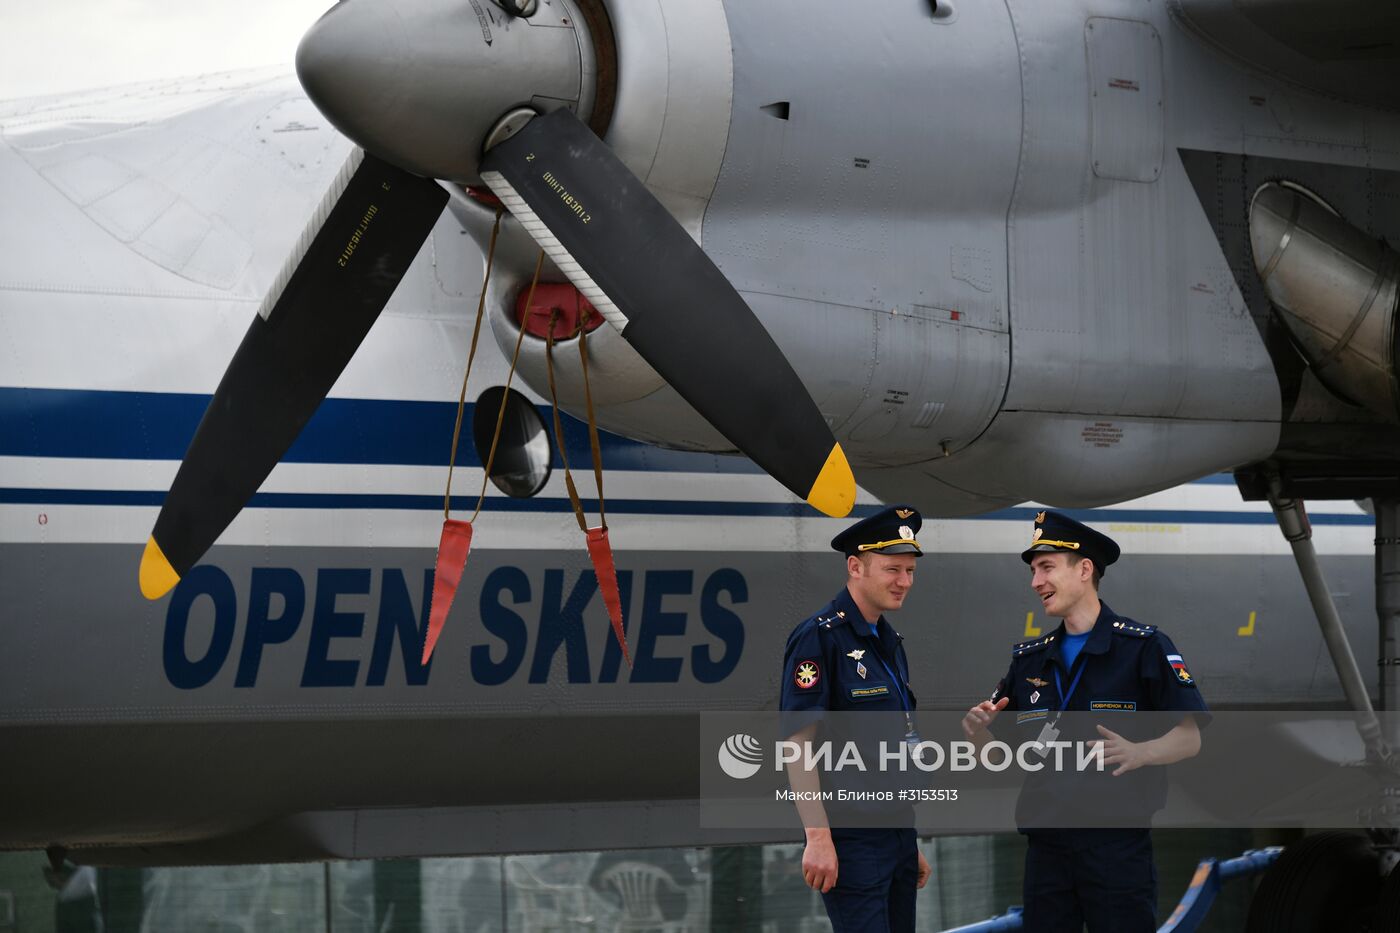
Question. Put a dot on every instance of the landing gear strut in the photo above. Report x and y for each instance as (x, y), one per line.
(1292, 520)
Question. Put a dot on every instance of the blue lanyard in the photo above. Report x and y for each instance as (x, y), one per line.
(898, 688)
(894, 678)
(1064, 697)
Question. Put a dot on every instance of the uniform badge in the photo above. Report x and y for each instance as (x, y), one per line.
(904, 513)
(1039, 518)
(1037, 535)
(857, 654)
(860, 669)
(906, 532)
(1178, 665)
(806, 675)
(1035, 696)
(1037, 682)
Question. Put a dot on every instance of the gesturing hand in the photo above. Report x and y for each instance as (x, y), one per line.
(980, 716)
(1128, 756)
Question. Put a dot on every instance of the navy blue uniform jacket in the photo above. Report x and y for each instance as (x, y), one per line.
(1128, 670)
(832, 663)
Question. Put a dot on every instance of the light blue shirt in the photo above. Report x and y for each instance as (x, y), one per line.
(1070, 647)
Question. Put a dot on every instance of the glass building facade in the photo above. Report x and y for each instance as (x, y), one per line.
(747, 889)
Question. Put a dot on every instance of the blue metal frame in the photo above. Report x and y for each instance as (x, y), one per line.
(1190, 911)
(1210, 875)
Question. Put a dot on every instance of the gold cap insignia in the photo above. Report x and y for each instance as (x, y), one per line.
(1037, 534)
(904, 513)
(1039, 518)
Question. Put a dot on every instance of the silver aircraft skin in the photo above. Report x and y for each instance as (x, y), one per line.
(1005, 245)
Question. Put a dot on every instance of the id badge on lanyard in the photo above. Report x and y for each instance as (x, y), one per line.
(1051, 731)
(911, 735)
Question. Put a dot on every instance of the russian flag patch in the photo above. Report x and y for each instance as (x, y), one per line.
(1178, 665)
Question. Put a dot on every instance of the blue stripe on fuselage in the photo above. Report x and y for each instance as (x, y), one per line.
(159, 425)
(328, 500)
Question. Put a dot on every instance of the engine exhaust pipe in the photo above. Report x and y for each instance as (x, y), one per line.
(1334, 287)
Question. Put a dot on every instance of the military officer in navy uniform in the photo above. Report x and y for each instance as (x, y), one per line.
(1100, 663)
(847, 658)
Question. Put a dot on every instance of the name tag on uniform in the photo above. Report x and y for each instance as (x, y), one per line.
(870, 693)
(1121, 706)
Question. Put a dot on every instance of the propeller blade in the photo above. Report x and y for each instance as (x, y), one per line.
(355, 250)
(639, 267)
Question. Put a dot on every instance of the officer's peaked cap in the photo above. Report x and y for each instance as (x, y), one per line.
(888, 531)
(1057, 532)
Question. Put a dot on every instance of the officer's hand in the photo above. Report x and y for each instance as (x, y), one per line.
(819, 863)
(1128, 756)
(980, 716)
(924, 871)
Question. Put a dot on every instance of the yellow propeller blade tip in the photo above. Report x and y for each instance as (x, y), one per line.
(157, 576)
(834, 492)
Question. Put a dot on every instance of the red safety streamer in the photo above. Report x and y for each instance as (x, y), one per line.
(456, 538)
(599, 548)
(455, 542)
(600, 552)
(453, 546)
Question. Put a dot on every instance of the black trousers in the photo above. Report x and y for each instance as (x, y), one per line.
(877, 876)
(1102, 877)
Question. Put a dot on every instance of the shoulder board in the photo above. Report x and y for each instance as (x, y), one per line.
(1135, 629)
(1028, 647)
(809, 625)
(831, 619)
